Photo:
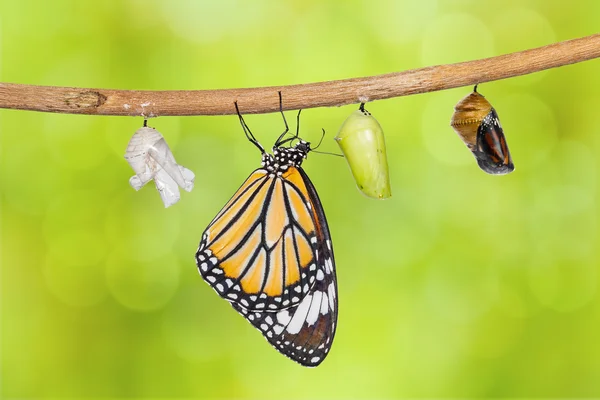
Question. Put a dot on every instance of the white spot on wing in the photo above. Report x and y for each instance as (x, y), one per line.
(315, 307)
(283, 317)
(331, 292)
(328, 266)
(297, 321)
(324, 304)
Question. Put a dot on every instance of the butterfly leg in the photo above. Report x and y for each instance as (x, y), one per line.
(280, 140)
(246, 129)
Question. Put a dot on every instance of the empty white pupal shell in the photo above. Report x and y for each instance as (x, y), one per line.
(150, 157)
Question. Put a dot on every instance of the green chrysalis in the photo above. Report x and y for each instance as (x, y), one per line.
(361, 140)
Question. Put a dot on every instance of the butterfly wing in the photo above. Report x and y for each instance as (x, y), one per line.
(305, 332)
(492, 152)
(260, 251)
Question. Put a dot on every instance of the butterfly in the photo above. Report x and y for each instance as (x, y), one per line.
(269, 253)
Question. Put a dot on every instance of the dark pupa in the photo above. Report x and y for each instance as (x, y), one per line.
(477, 124)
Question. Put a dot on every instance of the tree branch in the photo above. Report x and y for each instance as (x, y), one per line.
(321, 94)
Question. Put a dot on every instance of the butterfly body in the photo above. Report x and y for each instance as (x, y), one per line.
(268, 252)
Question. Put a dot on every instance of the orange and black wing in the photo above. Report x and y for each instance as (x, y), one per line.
(304, 332)
(492, 152)
(260, 251)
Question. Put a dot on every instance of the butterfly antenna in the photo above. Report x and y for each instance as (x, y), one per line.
(328, 153)
(298, 124)
(314, 149)
(247, 131)
(321, 141)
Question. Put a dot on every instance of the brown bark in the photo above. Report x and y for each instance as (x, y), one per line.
(321, 94)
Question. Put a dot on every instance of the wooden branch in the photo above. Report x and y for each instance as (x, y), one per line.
(321, 94)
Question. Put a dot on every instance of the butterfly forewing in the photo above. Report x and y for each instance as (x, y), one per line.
(260, 251)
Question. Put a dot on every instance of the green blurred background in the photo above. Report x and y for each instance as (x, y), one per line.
(462, 284)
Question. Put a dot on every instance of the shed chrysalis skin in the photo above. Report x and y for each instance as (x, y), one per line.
(477, 124)
(361, 140)
(150, 157)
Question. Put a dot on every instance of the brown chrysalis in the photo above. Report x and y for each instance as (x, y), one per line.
(477, 124)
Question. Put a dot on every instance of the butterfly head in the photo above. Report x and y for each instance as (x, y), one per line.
(285, 157)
